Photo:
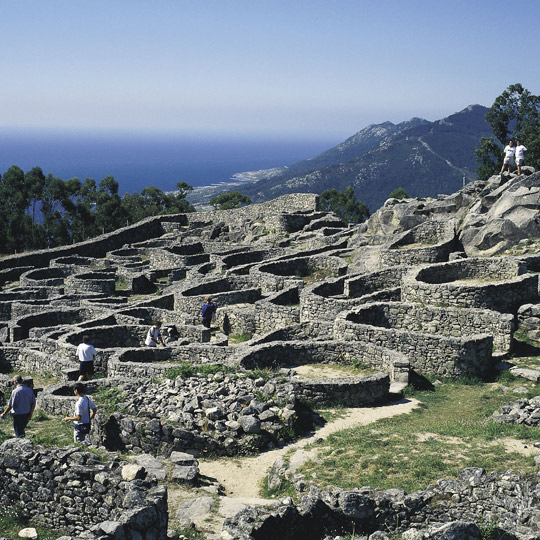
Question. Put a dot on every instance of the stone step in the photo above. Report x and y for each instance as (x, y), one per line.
(397, 387)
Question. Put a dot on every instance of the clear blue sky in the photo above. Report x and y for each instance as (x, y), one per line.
(307, 68)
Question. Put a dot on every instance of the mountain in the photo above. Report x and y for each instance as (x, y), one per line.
(425, 158)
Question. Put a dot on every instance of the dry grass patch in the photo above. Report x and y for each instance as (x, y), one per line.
(451, 430)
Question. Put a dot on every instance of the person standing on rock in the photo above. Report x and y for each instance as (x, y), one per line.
(22, 404)
(86, 354)
(153, 338)
(85, 410)
(509, 152)
(520, 155)
(207, 311)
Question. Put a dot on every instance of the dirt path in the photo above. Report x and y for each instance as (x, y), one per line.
(241, 477)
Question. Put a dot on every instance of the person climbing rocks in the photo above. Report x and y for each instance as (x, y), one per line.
(207, 311)
(86, 354)
(520, 155)
(509, 152)
(22, 403)
(153, 337)
(85, 410)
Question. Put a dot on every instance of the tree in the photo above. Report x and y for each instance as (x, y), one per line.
(227, 201)
(515, 114)
(344, 204)
(398, 193)
(179, 203)
(110, 214)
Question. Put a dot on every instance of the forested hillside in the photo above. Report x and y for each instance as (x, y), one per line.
(39, 211)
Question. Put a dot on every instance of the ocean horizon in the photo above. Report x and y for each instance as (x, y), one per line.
(137, 161)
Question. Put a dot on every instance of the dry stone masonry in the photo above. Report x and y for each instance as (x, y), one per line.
(406, 293)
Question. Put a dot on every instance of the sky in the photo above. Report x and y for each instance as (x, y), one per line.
(266, 68)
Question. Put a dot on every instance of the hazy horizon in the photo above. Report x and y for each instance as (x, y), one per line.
(311, 68)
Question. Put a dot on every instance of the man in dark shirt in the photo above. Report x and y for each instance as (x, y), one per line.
(208, 311)
(22, 404)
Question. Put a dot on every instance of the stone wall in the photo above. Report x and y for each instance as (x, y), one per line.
(215, 414)
(91, 282)
(224, 291)
(473, 283)
(474, 497)
(19, 328)
(270, 213)
(363, 391)
(27, 360)
(66, 488)
(7, 299)
(469, 356)
(156, 361)
(325, 300)
(44, 277)
(430, 242)
(295, 353)
(448, 322)
(278, 310)
(97, 247)
(276, 275)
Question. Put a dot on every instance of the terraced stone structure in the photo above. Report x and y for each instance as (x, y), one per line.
(292, 290)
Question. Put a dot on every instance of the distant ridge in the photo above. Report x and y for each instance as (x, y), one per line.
(425, 158)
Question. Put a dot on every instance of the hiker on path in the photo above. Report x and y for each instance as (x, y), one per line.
(22, 404)
(207, 311)
(520, 155)
(86, 354)
(85, 410)
(153, 338)
(509, 152)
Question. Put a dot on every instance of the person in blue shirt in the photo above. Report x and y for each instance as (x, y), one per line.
(207, 311)
(22, 404)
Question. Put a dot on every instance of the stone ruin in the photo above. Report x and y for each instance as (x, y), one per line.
(400, 295)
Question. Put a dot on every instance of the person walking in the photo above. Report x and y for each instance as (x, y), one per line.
(207, 311)
(520, 155)
(509, 152)
(154, 338)
(22, 403)
(85, 410)
(86, 354)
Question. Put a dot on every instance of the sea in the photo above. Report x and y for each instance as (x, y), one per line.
(137, 161)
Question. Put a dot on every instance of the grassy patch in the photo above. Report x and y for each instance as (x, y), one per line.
(286, 489)
(186, 369)
(12, 520)
(121, 285)
(239, 338)
(317, 274)
(40, 379)
(42, 429)
(448, 432)
(109, 399)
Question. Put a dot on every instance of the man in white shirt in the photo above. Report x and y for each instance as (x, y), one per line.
(520, 154)
(85, 410)
(86, 354)
(153, 338)
(509, 152)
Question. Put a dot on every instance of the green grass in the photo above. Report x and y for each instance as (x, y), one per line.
(121, 285)
(12, 520)
(239, 338)
(317, 274)
(40, 379)
(43, 429)
(448, 432)
(109, 399)
(186, 369)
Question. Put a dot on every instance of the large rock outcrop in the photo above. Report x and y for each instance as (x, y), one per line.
(492, 216)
